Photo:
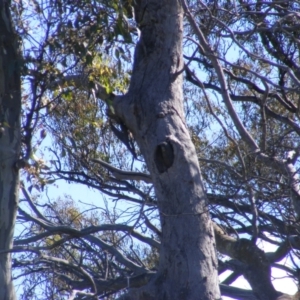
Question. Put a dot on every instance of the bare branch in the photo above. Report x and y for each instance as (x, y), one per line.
(124, 175)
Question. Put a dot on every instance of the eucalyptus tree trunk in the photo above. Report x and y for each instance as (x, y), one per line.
(153, 111)
(10, 106)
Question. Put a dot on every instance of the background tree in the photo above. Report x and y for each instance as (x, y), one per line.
(241, 107)
(10, 140)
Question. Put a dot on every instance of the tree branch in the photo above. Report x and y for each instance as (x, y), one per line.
(124, 175)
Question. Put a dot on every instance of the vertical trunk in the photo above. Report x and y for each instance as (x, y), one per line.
(10, 105)
(188, 265)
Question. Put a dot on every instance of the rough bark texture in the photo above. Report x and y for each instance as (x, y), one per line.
(255, 267)
(10, 105)
(153, 111)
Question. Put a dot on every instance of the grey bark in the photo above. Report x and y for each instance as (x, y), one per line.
(153, 112)
(10, 106)
(256, 265)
